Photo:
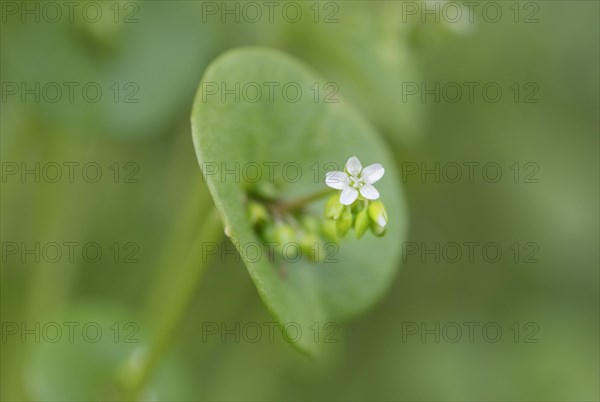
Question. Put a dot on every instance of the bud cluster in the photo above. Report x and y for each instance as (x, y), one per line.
(283, 229)
(281, 223)
(361, 215)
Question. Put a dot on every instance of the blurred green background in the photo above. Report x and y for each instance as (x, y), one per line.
(156, 52)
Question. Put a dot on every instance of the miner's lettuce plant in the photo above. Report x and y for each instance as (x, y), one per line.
(308, 132)
(338, 276)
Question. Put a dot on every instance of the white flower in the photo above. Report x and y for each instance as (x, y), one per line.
(354, 180)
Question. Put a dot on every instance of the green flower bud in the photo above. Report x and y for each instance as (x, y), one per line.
(378, 213)
(361, 223)
(267, 233)
(377, 230)
(357, 206)
(265, 190)
(280, 236)
(344, 224)
(257, 213)
(310, 223)
(310, 244)
(333, 208)
(284, 234)
(329, 231)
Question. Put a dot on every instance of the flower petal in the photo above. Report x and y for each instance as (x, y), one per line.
(353, 166)
(369, 192)
(373, 173)
(348, 196)
(337, 180)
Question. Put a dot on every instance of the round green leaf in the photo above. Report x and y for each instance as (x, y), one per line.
(235, 130)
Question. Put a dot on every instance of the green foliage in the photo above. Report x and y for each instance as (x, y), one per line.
(227, 132)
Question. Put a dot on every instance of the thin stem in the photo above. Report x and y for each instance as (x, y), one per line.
(137, 374)
(299, 203)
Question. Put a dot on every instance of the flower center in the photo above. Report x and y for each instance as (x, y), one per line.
(356, 182)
